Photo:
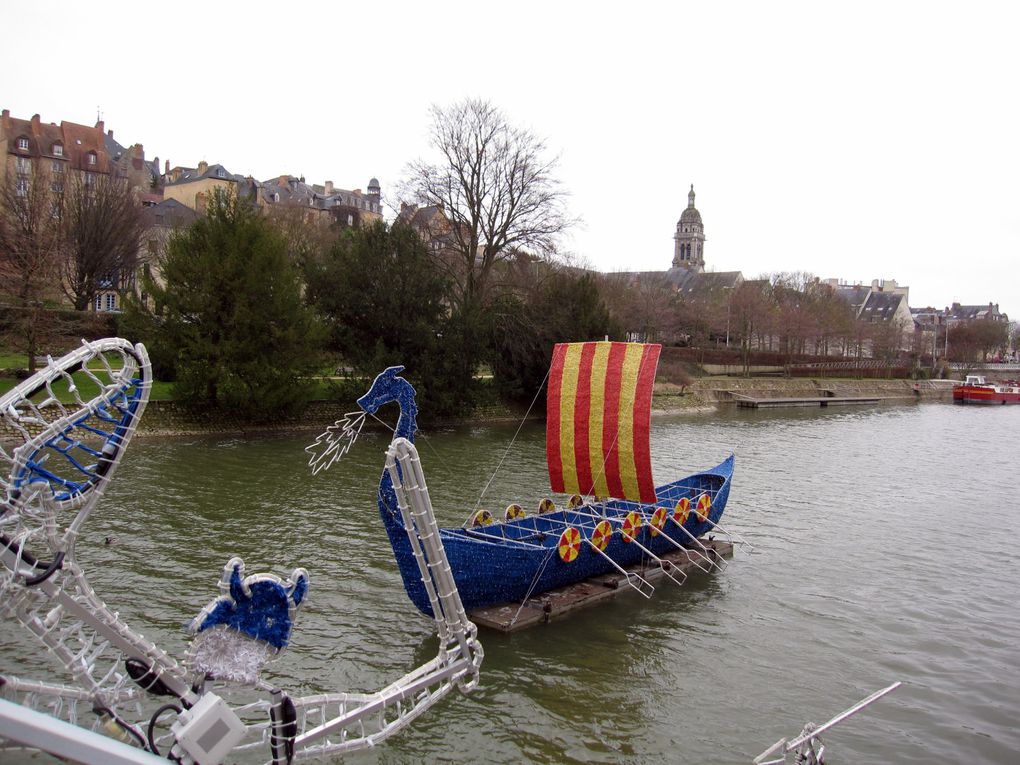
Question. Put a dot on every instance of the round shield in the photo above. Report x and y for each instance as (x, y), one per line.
(602, 533)
(631, 526)
(570, 544)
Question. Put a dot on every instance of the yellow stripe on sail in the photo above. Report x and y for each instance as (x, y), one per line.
(599, 365)
(625, 442)
(568, 394)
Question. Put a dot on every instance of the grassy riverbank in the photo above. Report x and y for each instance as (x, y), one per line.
(167, 416)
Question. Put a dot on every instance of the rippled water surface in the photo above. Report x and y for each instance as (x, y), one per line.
(884, 548)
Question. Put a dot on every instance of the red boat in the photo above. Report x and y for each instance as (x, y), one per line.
(977, 390)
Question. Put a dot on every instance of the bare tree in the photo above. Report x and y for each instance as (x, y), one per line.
(29, 246)
(750, 306)
(307, 232)
(495, 187)
(645, 308)
(103, 225)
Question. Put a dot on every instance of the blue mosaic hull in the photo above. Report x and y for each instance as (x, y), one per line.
(508, 562)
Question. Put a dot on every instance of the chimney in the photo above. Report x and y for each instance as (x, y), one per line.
(282, 181)
(109, 133)
(329, 188)
(202, 167)
(35, 122)
(166, 168)
(101, 126)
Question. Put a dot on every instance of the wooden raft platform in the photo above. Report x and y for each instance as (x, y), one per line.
(748, 402)
(556, 604)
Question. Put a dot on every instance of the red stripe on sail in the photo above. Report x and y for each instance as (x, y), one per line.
(582, 413)
(611, 423)
(552, 419)
(642, 422)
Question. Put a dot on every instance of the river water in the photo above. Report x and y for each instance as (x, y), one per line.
(884, 548)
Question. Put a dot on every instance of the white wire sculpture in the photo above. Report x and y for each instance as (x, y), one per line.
(807, 747)
(63, 433)
(335, 441)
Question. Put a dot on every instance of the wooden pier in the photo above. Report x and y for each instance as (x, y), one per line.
(749, 402)
(556, 604)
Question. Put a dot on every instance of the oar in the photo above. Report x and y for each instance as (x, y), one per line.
(681, 548)
(668, 538)
(731, 534)
(707, 496)
(709, 558)
(662, 563)
(627, 574)
(474, 532)
(665, 565)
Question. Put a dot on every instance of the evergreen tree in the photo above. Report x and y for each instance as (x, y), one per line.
(386, 303)
(233, 313)
(563, 307)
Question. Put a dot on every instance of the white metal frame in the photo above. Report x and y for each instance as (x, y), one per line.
(60, 609)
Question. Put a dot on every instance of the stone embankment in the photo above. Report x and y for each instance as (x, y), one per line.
(170, 418)
(707, 391)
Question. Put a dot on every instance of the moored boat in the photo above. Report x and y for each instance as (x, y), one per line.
(597, 448)
(977, 390)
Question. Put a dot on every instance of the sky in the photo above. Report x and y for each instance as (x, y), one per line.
(861, 141)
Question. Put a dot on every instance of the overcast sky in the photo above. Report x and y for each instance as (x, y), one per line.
(853, 140)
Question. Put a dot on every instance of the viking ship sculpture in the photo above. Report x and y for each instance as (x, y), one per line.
(597, 444)
(64, 432)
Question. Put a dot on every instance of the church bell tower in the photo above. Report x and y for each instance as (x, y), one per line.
(689, 247)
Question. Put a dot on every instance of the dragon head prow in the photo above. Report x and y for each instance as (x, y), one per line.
(385, 388)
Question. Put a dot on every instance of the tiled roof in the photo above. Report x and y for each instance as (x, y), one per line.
(170, 213)
(881, 306)
(191, 174)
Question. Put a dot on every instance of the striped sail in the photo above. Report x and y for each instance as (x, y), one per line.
(599, 405)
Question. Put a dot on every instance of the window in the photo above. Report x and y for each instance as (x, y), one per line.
(57, 187)
(111, 302)
(58, 150)
(90, 158)
(99, 302)
(90, 180)
(21, 187)
(58, 167)
(220, 173)
(24, 165)
(23, 143)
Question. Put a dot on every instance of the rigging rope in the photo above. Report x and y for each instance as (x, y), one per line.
(534, 582)
(508, 448)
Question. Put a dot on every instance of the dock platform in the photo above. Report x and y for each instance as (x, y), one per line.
(749, 402)
(556, 604)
